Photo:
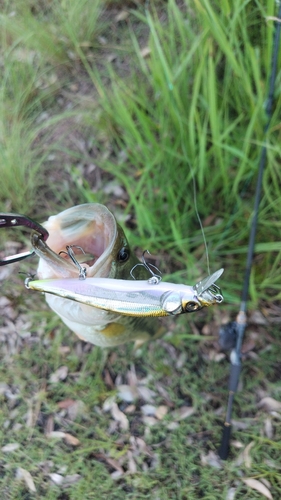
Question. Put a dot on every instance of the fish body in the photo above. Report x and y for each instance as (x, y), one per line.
(107, 307)
(94, 228)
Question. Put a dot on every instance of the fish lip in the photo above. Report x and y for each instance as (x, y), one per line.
(91, 226)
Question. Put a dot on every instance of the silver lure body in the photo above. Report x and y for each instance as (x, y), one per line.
(140, 298)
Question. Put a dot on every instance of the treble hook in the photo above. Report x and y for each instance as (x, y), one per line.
(156, 278)
(71, 254)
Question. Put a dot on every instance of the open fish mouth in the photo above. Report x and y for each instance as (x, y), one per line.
(96, 241)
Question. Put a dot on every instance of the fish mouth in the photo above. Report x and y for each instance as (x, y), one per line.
(90, 230)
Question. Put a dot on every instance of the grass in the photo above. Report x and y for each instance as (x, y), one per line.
(166, 102)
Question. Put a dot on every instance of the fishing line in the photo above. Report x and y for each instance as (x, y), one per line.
(195, 201)
(200, 221)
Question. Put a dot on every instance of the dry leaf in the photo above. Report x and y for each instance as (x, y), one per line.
(257, 318)
(183, 412)
(59, 374)
(56, 434)
(66, 403)
(148, 409)
(127, 393)
(132, 466)
(172, 426)
(130, 409)
(71, 479)
(10, 447)
(247, 458)
(146, 394)
(24, 475)
(236, 444)
(120, 417)
(161, 411)
(231, 494)
(113, 463)
(145, 52)
(258, 486)
(268, 428)
(269, 404)
(108, 403)
(211, 459)
(122, 16)
(116, 474)
(56, 478)
(71, 439)
(149, 421)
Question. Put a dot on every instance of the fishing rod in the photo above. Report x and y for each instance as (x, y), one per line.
(236, 329)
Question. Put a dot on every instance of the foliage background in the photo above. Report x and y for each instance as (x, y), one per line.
(154, 109)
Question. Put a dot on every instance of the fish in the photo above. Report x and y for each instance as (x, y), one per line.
(91, 285)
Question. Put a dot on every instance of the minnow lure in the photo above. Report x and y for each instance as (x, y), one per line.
(135, 298)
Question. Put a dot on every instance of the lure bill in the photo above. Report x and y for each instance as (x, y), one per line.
(138, 298)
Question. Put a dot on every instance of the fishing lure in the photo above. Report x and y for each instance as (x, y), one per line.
(135, 298)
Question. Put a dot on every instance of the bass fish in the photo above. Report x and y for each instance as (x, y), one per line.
(91, 285)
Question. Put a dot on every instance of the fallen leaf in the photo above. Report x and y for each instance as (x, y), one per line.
(120, 417)
(71, 479)
(116, 474)
(236, 444)
(247, 458)
(146, 394)
(172, 426)
(211, 459)
(150, 421)
(132, 466)
(113, 463)
(148, 409)
(56, 478)
(23, 474)
(230, 494)
(56, 434)
(66, 403)
(161, 411)
(130, 409)
(183, 412)
(127, 393)
(71, 439)
(122, 16)
(257, 318)
(254, 484)
(145, 52)
(268, 428)
(269, 404)
(10, 447)
(108, 403)
(59, 374)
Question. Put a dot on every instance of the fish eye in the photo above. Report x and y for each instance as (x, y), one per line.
(123, 255)
(191, 306)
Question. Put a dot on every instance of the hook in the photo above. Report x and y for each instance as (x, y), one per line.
(71, 254)
(155, 278)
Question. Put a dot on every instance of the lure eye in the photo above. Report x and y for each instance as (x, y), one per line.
(123, 255)
(192, 306)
